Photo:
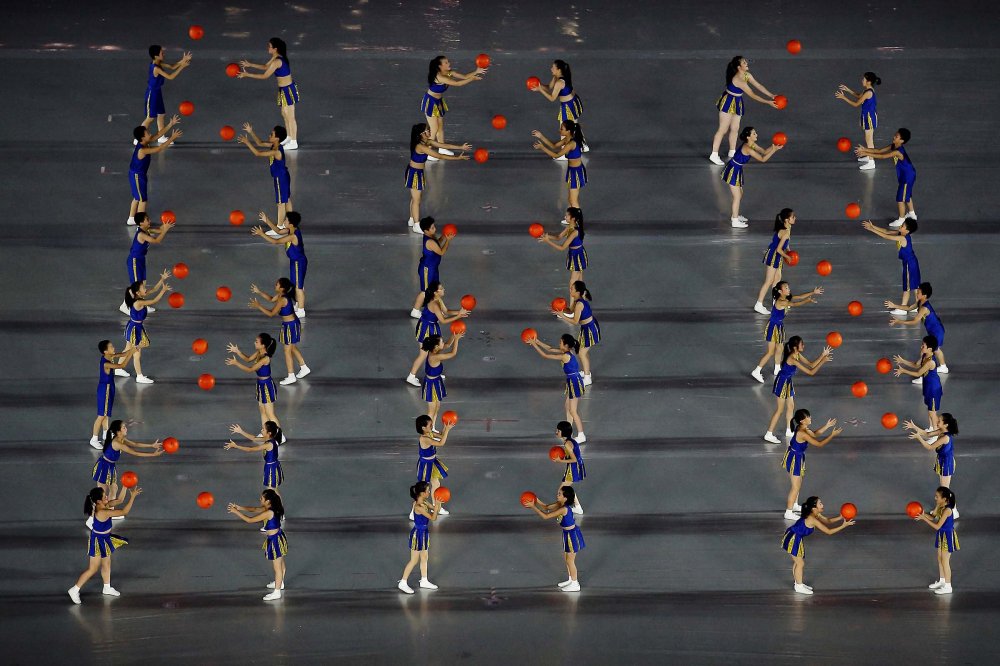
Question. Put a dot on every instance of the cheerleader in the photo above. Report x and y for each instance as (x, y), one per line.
(275, 547)
(424, 512)
(572, 537)
(575, 388)
(275, 155)
(433, 313)
(568, 145)
(440, 76)
(911, 267)
(100, 507)
(138, 168)
(573, 459)
(792, 359)
(266, 443)
(423, 148)
(869, 118)
(288, 92)
(110, 362)
(942, 442)
(570, 240)
(433, 251)
(774, 333)
(776, 251)
(105, 473)
(291, 328)
(794, 461)
(561, 88)
(581, 315)
(925, 367)
(793, 541)
(732, 175)
(434, 391)
(138, 301)
(946, 539)
(260, 364)
(429, 467)
(730, 104)
(159, 70)
(926, 314)
(291, 237)
(906, 174)
(145, 235)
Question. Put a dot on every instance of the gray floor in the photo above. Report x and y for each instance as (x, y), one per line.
(683, 499)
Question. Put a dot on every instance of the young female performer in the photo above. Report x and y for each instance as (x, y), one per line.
(581, 315)
(792, 359)
(270, 512)
(291, 328)
(268, 444)
(792, 543)
(135, 265)
(424, 511)
(911, 267)
(730, 104)
(433, 313)
(160, 69)
(295, 249)
(423, 148)
(107, 368)
(115, 442)
(440, 76)
(429, 466)
(573, 459)
(574, 386)
(434, 391)
(264, 348)
(906, 174)
(570, 240)
(138, 301)
(925, 367)
(732, 175)
(946, 539)
(275, 154)
(568, 145)
(138, 168)
(561, 87)
(869, 118)
(926, 314)
(433, 251)
(774, 333)
(99, 506)
(794, 461)
(774, 254)
(572, 537)
(288, 92)
(942, 442)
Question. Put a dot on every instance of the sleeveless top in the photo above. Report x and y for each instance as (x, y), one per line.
(575, 153)
(430, 259)
(111, 454)
(104, 375)
(288, 308)
(777, 314)
(437, 88)
(139, 164)
(572, 366)
(271, 454)
(906, 253)
(277, 167)
(273, 523)
(904, 167)
(264, 371)
(139, 248)
(739, 158)
(787, 370)
(931, 321)
(296, 252)
(430, 453)
(101, 526)
(868, 106)
(428, 370)
(155, 80)
(799, 528)
(137, 316)
(796, 446)
(420, 522)
(585, 312)
(568, 520)
(283, 68)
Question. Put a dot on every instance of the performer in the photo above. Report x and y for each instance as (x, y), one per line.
(926, 314)
(423, 148)
(730, 104)
(925, 367)
(434, 249)
(138, 167)
(566, 353)
(573, 459)
(275, 547)
(572, 537)
(424, 511)
(561, 88)
(942, 442)
(268, 444)
(869, 118)
(429, 467)
(264, 348)
(570, 240)
(138, 300)
(135, 265)
(433, 313)
(906, 174)
(568, 145)
(160, 69)
(946, 539)
(776, 251)
(115, 442)
(911, 268)
(434, 391)
(100, 507)
(774, 333)
(291, 328)
(291, 237)
(275, 154)
(732, 175)
(581, 315)
(792, 359)
(794, 461)
(108, 365)
(288, 92)
(440, 76)
(793, 541)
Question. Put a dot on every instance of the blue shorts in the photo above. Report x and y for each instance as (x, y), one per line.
(282, 188)
(576, 177)
(431, 469)
(138, 182)
(938, 333)
(574, 386)
(419, 539)
(154, 102)
(136, 269)
(794, 462)
(288, 95)
(273, 475)
(432, 107)
(275, 546)
(297, 272)
(590, 334)
(433, 389)
(911, 277)
(573, 540)
(413, 179)
(266, 392)
(104, 544)
(105, 398)
(426, 275)
(576, 259)
(732, 104)
(905, 190)
(291, 332)
(571, 110)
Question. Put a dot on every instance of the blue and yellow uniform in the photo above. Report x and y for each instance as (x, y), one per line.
(154, 93)
(792, 542)
(275, 545)
(413, 177)
(933, 325)
(571, 109)
(932, 387)
(945, 465)
(420, 538)
(590, 331)
(574, 378)
(731, 100)
(104, 469)
(287, 95)
(135, 265)
(273, 476)
(138, 169)
(291, 331)
(733, 173)
(428, 324)
(571, 534)
(135, 330)
(911, 269)
(906, 175)
(428, 465)
(297, 262)
(783, 381)
(266, 391)
(434, 107)
(575, 471)
(795, 457)
(772, 257)
(869, 118)
(280, 176)
(427, 269)
(775, 329)
(946, 538)
(102, 541)
(576, 255)
(105, 389)
(576, 176)
(433, 388)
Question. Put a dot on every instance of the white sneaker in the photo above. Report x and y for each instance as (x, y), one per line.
(896, 224)
(431, 158)
(769, 437)
(404, 587)
(411, 515)
(143, 379)
(272, 233)
(564, 222)
(415, 313)
(797, 508)
(808, 587)
(89, 523)
(117, 517)
(761, 308)
(270, 585)
(292, 145)
(936, 584)
(74, 594)
(863, 159)
(588, 379)
(867, 166)
(574, 586)
(791, 515)
(283, 143)
(130, 221)
(911, 215)
(715, 159)
(577, 510)
(568, 581)
(585, 148)
(135, 142)
(290, 379)
(410, 222)
(121, 372)
(899, 313)
(273, 596)
(412, 380)
(580, 438)
(743, 219)
(303, 371)
(777, 369)
(802, 589)
(417, 230)
(263, 529)
(427, 585)
(445, 151)
(300, 313)
(738, 223)
(942, 369)
(162, 139)
(283, 440)
(944, 589)
(788, 432)
(123, 308)
(96, 443)
(954, 512)
(931, 440)
(150, 309)
(443, 511)
(109, 591)
(756, 375)
(561, 158)
(917, 381)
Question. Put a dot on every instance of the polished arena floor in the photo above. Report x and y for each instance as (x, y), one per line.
(683, 499)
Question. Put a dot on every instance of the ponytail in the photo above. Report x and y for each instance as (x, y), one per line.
(581, 288)
(269, 343)
(90, 503)
(790, 346)
(274, 499)
(113, 429)
(781, 218)
(273, 430)
(776, 291)
(575, 131)
(798, 417)
(873, 79)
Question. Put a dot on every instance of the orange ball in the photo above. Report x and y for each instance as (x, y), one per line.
(780, 101)
(793, 258)
(168, 217)
(889, 420)
(180, 271)
(794, 46)
(206, 382)
(559, 304)
(482, 61)
(824, 267)
(528, 498)
(227, 133)
(458, 327)
(855, 308)
(170, 445)
(199, 346)
(843, 144)
(859, 389)
(232, 70)
(186, 108)
(852, 210)
(130, 479)
(834, 339)
(528, 335)
(481, 155)
(223, 293)
(176, 300)
(236, 218)
(449, 230)
(556, 453)
(442, 494)
(205, 500)
(449, 418)
(533, 82)
(883, 365)
(914, 509)
(779, 138)
(196, 32)
(848, 511)
(499, 122)
(536, 230)
(469, 302)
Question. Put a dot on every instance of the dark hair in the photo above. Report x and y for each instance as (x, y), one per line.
(422, 422)
(798, 417)
(102, 346)
(430, 342)
(279, 45)
(138, 133)
(950, 423)
(275, 500)
(565, 429)
(776, 291)
(931, 341)
(745, 134)
(575, 131)
(926, 289)
(273, 430)
(732, 68)
(154, 51)
(570, 342)
(415, 133)
(294, 217)
(132, 293)
(287, 288)
(781, 218)
(142, 217)
(426, 222)
(911, 225)
(577, 216)
(269, 343)
(808, 506)
(790, 346)
(872, 78)
(563, 67)
(93, 497)
(114, 428)
(569, 494)
(948, 495)
(432, 288)
(581, 288)
(904, 134)
(280, 133)
(434, 69)
(418, 488)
